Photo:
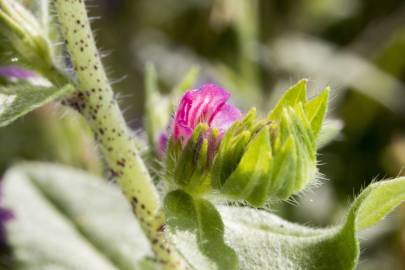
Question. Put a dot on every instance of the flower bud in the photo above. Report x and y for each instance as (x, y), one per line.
(24, 33)
(202, 118)
(213, 149)
(190, 166)
(274, 158)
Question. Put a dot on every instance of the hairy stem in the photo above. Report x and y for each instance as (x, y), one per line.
(95, 101)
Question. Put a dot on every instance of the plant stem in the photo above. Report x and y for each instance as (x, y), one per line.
(96, 102)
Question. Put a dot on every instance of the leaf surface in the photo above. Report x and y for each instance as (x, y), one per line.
(202, 220)
(67, 219)
(20, 99)
(264, 241)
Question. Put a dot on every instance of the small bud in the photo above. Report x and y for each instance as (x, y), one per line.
(202, 118)
(25, 34)
(259, 160)
(213, 149)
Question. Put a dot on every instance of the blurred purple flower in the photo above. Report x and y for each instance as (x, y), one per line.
(5, 216)
(162, 144)
(15, 73)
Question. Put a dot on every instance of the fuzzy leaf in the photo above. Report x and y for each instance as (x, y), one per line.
(18, 100)
(377, 200)
(264, 241)
(66, 219)
(52, 229)
(201, 218)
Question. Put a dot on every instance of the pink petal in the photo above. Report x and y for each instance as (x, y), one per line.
(182, 131)
(224, 118)
(196, 106)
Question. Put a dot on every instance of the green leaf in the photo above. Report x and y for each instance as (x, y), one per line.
(264, 241)
(294, 95)
(202, 219)
(18, 100)
(67, 219)
(377, 200)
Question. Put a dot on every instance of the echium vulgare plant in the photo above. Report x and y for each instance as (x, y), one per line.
(220, 168)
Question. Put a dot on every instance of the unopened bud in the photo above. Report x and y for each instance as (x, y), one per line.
(23, 31)
(259, 160)
(251, 159)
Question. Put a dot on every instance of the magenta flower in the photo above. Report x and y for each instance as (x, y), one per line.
(205, 105)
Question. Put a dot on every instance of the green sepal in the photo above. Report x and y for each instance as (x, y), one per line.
(247, 122)
(294, 95)
(298, 127)
(173, 152)
(187, 213)
(231, 149)
(189, 164)
(284, 170)
(187, 160)
(315, 110)
(199, 181)
(252, 170)
(306, 150)
(303, 129)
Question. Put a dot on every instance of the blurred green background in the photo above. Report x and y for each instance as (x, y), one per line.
(256, 49)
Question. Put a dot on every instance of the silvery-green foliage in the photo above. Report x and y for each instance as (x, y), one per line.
(53, 228)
